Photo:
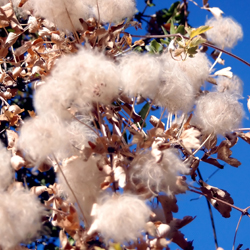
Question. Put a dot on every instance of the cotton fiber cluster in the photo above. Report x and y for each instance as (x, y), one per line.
(218, 113)
(112, 11)
(64, 14)
(225, 32)
(6, 174)
(121, 218)
(20, 216)
(158, 177)
(79, 79)
(140, 74)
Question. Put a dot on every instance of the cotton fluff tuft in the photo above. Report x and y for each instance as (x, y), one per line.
(20, 217)
(196, 68)
(232, 86)
(64, 14)
(112, 11)
(79, 79)
(6, 174)
(158, 177)
(40, 137)
(176, 92)
(121, 218)
(140, 74)
(218, 112)
(85, 180)
(225, 32)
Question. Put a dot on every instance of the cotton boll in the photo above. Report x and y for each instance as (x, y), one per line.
(79, 79)
(176, 92)
(225, 32)
(121, 218)
(232, 86)
(157, 177)
(196, 68)
(112, 11)
(20, 217)
(40, 137)
(140, 74)
(85, 179)
(65, 14)
(6, 173)
(218, 113)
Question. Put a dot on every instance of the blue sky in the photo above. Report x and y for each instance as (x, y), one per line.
(234, 180)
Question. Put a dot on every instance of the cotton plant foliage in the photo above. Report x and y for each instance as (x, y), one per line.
(117, 173)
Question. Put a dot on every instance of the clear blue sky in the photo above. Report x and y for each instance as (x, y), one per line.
(234, 180)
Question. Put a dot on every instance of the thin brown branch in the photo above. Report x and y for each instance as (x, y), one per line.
(236, 230)
(205, 44)
(211, 215)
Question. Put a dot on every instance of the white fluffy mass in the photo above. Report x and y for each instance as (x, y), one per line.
(218, 113)
(176, 91)
(40, 137)
(140, 74)
(20, 217)
(6, 173)
(158, 177)
(196, 68)
(232, 86)
(64, 14)
(121, 218)
(79, 79)
(85, 180)
(112, 11)
(225, 32)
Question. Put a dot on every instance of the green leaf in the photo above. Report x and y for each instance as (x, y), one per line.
(192, 51)
(144, 110)
(200, 30)
(164, 30)
(172, 28)
(173, 7)
(196, 41)
(180, 30)
(138, 48)
(154, 47)
(165, 41)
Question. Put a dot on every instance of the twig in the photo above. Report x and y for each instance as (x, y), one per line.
(244, 211)
(205, 44)
(236, 230)
(185, 12)
(84, 218)
(211, 214)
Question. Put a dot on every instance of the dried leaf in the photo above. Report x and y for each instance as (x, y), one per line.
(244, 136)
(156, 122)
(64, 241)
(163, 230)
(11, 39)
(37, 190)
(151, 228)
(189, 138)
(179, 239)
(139, 43)
(169, 205)
(17, 162)
(221, 194)
(224, 153)
(155, 152)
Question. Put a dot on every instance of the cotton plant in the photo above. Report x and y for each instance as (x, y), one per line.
(89, 79)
